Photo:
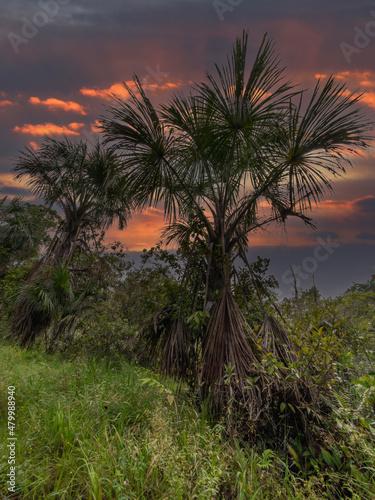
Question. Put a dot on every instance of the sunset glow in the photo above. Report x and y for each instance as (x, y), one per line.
(64, 76)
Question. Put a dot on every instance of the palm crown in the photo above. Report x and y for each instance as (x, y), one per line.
(85, 184)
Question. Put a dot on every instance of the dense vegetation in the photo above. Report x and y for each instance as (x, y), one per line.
(186, 376)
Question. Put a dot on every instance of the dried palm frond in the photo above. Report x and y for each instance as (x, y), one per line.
(275, 340)
(229, 342)
(237, 375)
(176, 358)
(167, 341)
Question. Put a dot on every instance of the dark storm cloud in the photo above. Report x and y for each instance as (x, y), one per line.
(13, 191)
(324, 234)
(346, 264)
(366, 236)
(85, 38)
(366, 205)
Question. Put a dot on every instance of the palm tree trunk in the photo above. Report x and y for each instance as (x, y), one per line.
(62, 246)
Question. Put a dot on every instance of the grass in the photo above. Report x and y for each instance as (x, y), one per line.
(89, 430)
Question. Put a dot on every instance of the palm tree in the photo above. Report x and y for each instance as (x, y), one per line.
(51, 305)
(85, 185)
(243, 150)
(88, 188)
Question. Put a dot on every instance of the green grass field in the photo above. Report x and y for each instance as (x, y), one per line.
(87, 430)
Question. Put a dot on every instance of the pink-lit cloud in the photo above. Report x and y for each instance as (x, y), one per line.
(346, 216)
(364, 78)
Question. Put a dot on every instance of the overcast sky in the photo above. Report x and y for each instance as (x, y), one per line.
(60, 60)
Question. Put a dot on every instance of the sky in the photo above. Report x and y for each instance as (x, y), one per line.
(61, 60)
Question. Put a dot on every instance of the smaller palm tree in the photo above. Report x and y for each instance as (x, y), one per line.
(84, 184)
(88, 188)
(48, 304)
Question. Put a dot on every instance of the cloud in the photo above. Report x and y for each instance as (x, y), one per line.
(324, 235)
(6, 103)
(359, 79)
(95, 127)
(366, 98)
(11, 187)
(34, 145)
(119, 90)
(365, 236)
(49, 128)
(366, 204)
(364, 78)
(56, 104)
(13, 191)
(142, 231)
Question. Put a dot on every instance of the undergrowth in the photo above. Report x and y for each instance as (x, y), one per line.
(89, 430)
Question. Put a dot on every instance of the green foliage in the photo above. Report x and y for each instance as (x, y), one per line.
(319, 351)
(352, 317)
(102, 333)
(24, 229)
(144, 291)
(254, 290)
(87, 429)
(47, 304)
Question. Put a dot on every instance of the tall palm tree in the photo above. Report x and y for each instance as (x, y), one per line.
(88, 188)
(242, 150)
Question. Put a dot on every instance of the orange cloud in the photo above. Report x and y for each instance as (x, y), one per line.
(367, 98)
(361, 79)
(95, 126)
(6, 103)
(49, 128)
(364, 78)
(34, 145)
(143, 230)
(119, 90)
(342, 208)
(8, 180)
(55, 104)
